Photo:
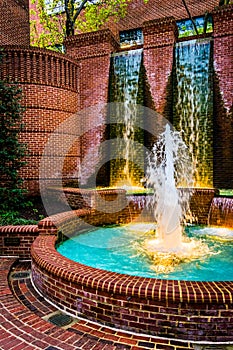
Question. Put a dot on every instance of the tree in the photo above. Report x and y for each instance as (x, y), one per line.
(47, 26)
(80, 16)
(11, 150)
(97, 13)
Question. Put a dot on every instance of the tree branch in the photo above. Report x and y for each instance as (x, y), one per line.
(69, 20)
(67, 10)
(77, 13)
(190, 16)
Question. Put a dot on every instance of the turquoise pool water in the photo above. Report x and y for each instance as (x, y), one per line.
(118, 249)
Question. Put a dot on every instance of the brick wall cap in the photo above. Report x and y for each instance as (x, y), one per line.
(92, 38)
(19, 228)
(87, 191)
(103, 33)
(36, 50)
(159, 21)
(55, 220)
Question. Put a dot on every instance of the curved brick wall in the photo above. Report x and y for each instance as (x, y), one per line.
(193, 311)
(50, 95)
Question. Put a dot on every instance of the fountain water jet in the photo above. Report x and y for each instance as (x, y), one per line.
(168, 166)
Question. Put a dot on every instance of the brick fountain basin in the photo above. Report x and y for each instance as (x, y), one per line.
(184, 310)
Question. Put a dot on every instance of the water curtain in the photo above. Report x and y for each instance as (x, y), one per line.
(193, 105)
(125, 89)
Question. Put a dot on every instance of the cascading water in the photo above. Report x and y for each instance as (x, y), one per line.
(125, 89)
(193, 105)
(221, 212)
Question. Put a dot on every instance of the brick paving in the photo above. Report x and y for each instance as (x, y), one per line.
(22, 323)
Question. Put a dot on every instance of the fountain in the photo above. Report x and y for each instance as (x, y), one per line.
(188, 310)
(221, 212)
(169, 166)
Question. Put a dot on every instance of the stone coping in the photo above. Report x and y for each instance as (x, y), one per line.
(44, 254)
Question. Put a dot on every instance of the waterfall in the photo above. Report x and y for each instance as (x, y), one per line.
(125, 88)
(193, 105)
(221, 212)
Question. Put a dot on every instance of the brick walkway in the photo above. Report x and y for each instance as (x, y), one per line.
(23, 322)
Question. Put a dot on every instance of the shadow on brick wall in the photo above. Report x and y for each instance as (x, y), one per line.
(223, 136)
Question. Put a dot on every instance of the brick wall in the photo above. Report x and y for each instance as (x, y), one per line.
(14, 22)
(200, 204)
(17, 240)
(92, 51)
(139, 11)
(55, 87)
(223, 94)
(50, 95)
(159, 39)
(123, 308)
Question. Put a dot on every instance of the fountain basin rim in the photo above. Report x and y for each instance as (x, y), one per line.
(45, 256)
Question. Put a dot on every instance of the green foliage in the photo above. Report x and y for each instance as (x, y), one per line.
(13, 218)
(11, 150)
(97, 15)
(50, 31)
(60, 18)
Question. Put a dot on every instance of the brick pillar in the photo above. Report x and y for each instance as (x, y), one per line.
(159, 38)
(223, 119)
(92, 51)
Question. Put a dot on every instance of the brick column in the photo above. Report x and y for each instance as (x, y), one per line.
(159, 38)
(92, 51)
(223, 122)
